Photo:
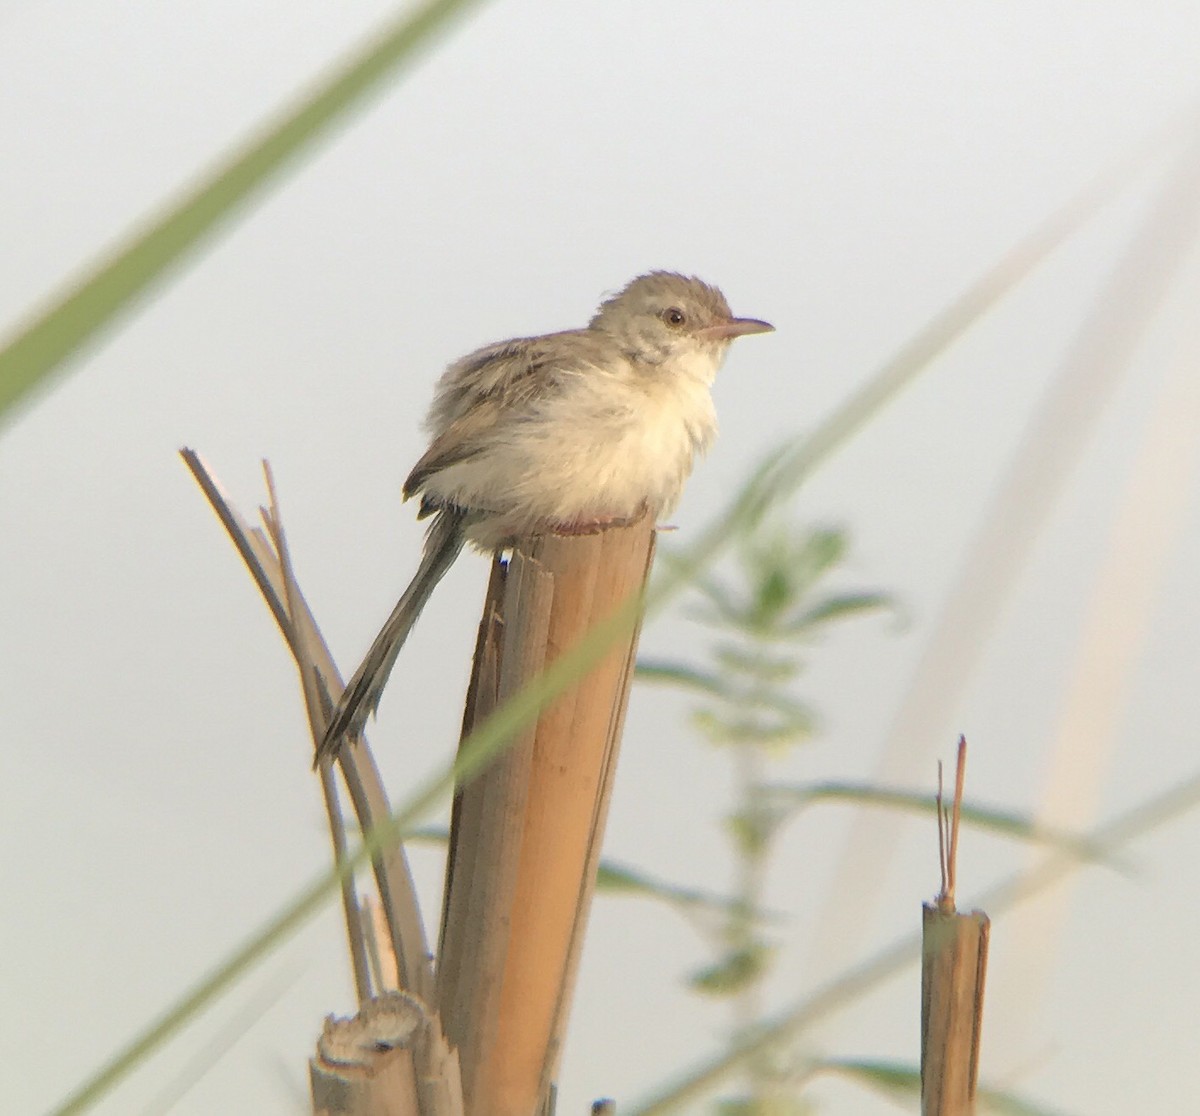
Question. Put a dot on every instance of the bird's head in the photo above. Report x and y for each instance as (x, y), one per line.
(663, 316)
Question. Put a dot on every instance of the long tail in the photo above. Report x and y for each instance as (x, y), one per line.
(361, 695)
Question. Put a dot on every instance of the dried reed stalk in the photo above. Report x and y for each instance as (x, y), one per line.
(526, 833)
(364, 1066)
(385, 1061)
(953, 971)
(391, 1059)
(266, 557)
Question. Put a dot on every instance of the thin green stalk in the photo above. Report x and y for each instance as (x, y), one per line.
(751, 870)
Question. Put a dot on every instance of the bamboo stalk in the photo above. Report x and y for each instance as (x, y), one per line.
(486, 830)
(525, 836)
(953, 971)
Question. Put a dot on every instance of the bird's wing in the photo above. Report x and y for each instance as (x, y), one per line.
(459, 441)
(483, 391)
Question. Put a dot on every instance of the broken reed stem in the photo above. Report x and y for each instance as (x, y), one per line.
(365, 1065)
(388, 1060)
(960, 771)
(356, 932)
(941, 831)
(526, 832)
(272, 573)
(359, 944)
(953, 972)
(392, 1057)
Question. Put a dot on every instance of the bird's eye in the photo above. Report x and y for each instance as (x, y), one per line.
(674, 316)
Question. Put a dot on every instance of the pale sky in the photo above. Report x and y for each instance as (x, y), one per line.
(842, 171)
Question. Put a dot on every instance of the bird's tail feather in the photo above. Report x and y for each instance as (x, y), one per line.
(361, 695)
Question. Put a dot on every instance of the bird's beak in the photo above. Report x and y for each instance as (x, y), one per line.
(735, 327)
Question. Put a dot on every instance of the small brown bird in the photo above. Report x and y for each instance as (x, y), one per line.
(566, 432)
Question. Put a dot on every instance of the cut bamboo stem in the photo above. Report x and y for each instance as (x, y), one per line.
(525, 835)
(364, 1066)
(953, 971)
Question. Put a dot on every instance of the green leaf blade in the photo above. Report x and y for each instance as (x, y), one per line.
(116, 283)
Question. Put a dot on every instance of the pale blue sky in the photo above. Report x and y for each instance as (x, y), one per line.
(841, 171)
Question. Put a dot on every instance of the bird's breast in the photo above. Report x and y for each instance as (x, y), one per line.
(612, 449)
(602, 446)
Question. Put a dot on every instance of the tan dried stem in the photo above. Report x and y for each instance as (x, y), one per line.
(266, 561)
(356, 932)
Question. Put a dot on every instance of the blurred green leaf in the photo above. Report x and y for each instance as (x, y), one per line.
(765, 1106)
(1007, 823)
(740, 729)
(900, 1079)
(681, 675)
(774, 593)
(734, 971)
(756, 662)
(752, 829)
(620, 879)
(689, 678)
(113, 285)
(671, 564)
(903, 1080)
(802, 557)
(747, 835)
(724, 601)
(837, 608)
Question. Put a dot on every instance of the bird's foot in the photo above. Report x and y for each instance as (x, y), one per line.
(594, 525)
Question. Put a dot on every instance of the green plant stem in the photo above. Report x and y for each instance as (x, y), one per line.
(751, 871)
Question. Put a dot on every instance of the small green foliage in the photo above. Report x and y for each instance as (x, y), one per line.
(752, 827)
(754, 662)
(838, 607)
(902, 1082)
(763, 622)
(734, 971)
(781, 568)
(765, 1106)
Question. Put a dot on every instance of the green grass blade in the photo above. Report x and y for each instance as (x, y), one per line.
(619, 879)
(1004, 823)
(902, 1081)
(211, 1053)
(682, 675)
(28, 359)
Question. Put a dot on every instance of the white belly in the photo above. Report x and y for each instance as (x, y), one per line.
(601, 448)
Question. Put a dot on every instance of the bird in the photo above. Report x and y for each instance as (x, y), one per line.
(567, 432)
